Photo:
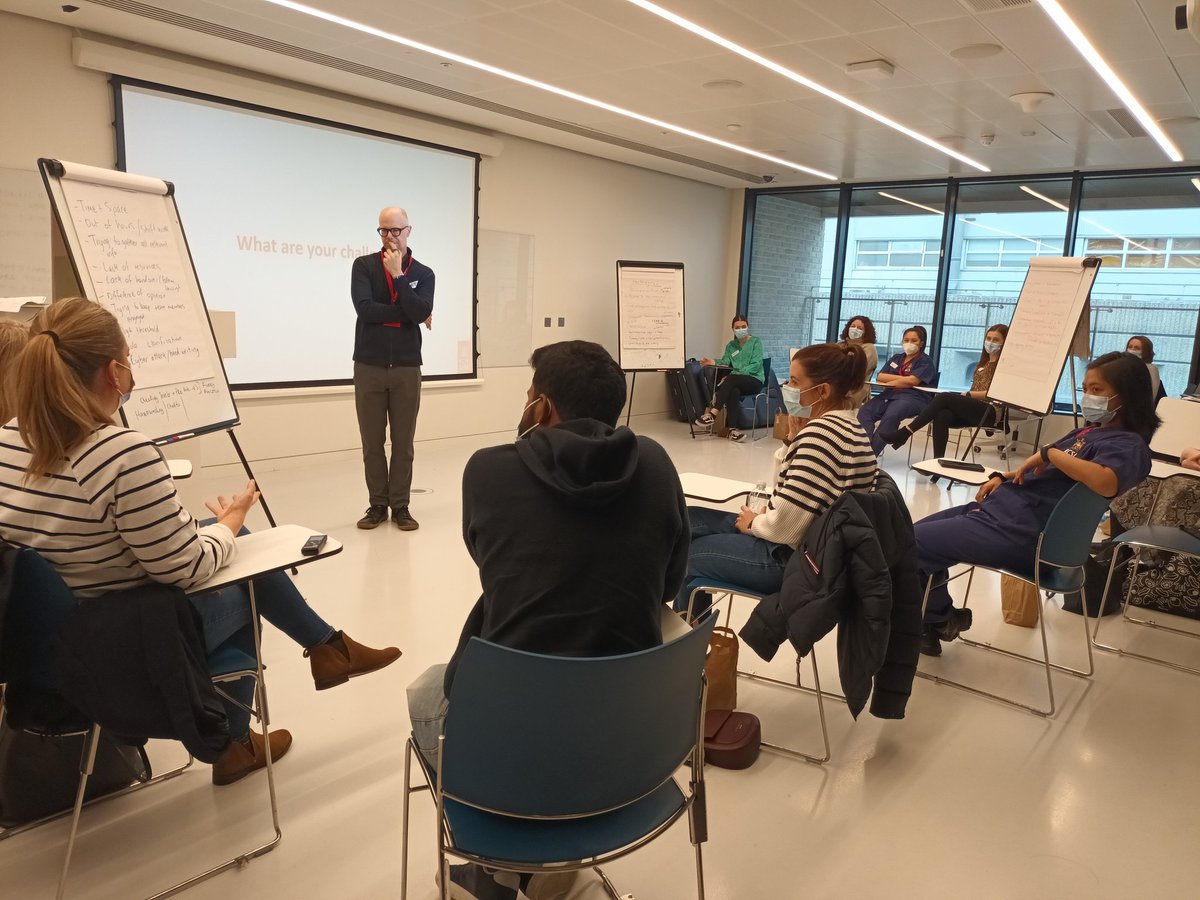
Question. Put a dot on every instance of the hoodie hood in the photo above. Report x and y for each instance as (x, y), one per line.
(589, 463)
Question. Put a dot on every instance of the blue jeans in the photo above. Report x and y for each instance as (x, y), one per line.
(722, 553)
(225, 616)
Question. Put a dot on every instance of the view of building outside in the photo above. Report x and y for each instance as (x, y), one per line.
(1146, 229)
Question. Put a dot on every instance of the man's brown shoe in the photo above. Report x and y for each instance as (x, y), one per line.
(331, 665)
(249, 755)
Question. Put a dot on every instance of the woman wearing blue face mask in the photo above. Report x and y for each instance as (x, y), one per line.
(970, 409)
(900, 399)
(826, 454)
(1110, 454)
(744, 357)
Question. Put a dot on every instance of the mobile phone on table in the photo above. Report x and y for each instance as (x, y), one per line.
(314, 545)
(960, 464)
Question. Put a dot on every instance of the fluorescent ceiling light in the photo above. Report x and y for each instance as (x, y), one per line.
(1132, 243)
(800, 79)
(540, 85)
(1096, 61)
(937, 212)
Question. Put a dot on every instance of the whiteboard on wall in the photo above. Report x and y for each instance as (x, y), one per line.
(650, 315)
(1048, 325)
(130, 255)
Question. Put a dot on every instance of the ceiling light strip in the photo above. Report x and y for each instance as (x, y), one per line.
(540, 85)
(806, 82)
(1083, 218)
(1076, 36)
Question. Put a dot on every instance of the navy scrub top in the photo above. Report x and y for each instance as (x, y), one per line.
(922, 367)
(1024, 509)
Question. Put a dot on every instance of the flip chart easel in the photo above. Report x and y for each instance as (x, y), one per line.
(127, 251)
(1049, 325)
(650, 323)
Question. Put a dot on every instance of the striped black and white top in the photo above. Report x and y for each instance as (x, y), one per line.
(830, 456)
(109, 518)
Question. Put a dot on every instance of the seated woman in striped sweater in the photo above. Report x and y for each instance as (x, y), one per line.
(98, 502)
(826, 454)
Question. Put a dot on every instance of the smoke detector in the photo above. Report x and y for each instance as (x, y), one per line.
(1029, 101)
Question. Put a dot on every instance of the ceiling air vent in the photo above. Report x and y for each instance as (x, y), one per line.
(1117, 123)
(985, 6)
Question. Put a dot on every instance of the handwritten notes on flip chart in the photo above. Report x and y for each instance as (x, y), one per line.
(138, 273)
(650, 315)
(127, 245)
(1053, 301)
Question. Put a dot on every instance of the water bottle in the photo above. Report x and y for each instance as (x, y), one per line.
(758, 498)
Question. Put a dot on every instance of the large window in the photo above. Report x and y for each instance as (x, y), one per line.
(890, 264)
(998, 227)
(790, 268)
(1146, 230)
(906, 223)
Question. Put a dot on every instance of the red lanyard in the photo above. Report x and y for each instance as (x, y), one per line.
(388, 278)
(906, 366)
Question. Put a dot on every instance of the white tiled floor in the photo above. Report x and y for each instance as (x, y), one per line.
(962, 798)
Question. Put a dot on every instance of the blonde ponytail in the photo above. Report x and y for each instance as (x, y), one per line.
(70, 341)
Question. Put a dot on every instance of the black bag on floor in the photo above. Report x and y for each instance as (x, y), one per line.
(39, 774)
(685, 395)
(1096, 573)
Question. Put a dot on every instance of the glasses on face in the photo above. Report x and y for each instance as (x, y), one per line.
(394, 232)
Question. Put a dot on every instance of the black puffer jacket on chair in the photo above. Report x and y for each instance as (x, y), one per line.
(856, 569)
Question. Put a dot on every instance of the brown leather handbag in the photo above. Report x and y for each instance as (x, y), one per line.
(731, 739)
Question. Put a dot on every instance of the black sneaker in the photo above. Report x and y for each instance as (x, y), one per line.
(402, 518)
(959, 621)
(376, 516)
(931, 645)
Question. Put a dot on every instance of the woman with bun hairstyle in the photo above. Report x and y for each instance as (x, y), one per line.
(900, 399)
(861, 330)
(970, 409)
(1110, 454)
(97, 501)
(826, 453)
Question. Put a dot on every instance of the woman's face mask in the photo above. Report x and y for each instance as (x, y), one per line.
(855, 334)
(741, 333)
(911, 348)
(1095, 409)
(791, 401)
(993, 346)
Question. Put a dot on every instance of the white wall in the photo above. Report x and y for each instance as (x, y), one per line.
(584, 213)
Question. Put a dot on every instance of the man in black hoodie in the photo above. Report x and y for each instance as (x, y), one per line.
(579, 529)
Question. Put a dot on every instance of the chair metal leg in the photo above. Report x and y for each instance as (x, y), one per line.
(754, 676)
(261, 712)
(87, 765)
(1158, 626)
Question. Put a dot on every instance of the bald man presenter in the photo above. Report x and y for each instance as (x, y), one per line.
(393, 297)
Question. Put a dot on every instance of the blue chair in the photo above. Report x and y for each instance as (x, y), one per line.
(758, 410)
(1058, 568)
(552, 763)
(727, 590)
(39, 606)
(1165, 538)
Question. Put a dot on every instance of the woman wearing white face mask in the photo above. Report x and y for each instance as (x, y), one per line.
(1143, 348)
(97, 501)
(744, 357)
(826, 454)
(861, 330)
(970, 409)
(900, 399)
(1110, 454)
